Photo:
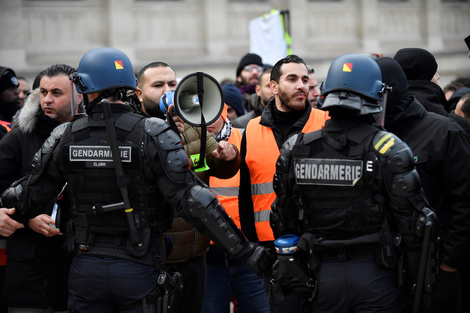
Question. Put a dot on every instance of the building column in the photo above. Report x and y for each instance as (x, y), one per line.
(121, 26)
(369, 26)
(432, 24)
(215, 28)
(298, 10)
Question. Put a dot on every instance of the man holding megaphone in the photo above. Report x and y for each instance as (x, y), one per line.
(155, 81)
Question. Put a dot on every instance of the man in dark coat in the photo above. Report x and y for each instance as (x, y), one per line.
(37, 266)
(420, 68)
(441, 151)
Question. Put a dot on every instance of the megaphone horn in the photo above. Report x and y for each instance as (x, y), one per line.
(198, 98)
(188, 102)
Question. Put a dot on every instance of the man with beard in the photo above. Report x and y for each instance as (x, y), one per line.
(258, 100)
(313, 92)
(249, 70)
(287, 114)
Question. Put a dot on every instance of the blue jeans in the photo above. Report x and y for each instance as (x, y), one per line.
(247, 287)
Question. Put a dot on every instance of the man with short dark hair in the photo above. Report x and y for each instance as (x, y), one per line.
(288, 113)
(313, 92)
(37, 266)
(463, 107)
(189, 244)
(24, 89)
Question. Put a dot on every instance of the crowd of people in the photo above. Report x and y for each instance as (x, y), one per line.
(349, 197)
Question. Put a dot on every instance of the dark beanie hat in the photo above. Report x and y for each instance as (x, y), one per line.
(249, 58)
(418, 64)
(7, 78)
(233, 97)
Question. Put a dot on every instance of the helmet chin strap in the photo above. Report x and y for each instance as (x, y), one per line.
(89, 105)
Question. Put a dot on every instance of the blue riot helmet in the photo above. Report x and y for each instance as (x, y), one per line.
(102, 69)
(107, 71)
(354, 82)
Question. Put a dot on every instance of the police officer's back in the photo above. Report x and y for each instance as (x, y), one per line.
(120, 169)
(352, 195)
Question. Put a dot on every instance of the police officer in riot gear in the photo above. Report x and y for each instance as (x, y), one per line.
(119, 169)
(351, 195)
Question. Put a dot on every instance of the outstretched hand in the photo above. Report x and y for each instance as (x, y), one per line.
(225, 151)
(8, 225)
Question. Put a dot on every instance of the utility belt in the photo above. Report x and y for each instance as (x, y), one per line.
(116, 246)
(300, 258)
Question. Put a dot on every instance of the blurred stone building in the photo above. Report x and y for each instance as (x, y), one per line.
(212, 35)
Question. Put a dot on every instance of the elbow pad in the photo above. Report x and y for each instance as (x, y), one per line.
(11, 196)
(406, 184)
(203, 205)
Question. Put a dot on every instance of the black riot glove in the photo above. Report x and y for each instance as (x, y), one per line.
(258, 258)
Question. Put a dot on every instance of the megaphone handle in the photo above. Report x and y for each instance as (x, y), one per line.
(172, 124)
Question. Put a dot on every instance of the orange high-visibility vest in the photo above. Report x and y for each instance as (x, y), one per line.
(226, 190)
(261, 157)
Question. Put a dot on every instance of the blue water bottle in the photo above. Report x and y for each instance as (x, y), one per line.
(286, 244)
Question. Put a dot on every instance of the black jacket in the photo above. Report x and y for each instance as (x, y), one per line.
(441, 150)
(37, 267)
(433, 99)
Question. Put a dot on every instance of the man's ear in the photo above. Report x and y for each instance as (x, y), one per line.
(138, 93)
(274, 87)
(258, 89)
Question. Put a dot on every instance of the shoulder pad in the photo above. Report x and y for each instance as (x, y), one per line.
(312, 136)
(399, 158)
(287, 146)
(384, 141)
(55, 136)
(154, 126)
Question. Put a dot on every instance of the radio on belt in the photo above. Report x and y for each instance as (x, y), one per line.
(286, 244)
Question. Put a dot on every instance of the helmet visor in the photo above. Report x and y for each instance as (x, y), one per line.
(74, 101)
